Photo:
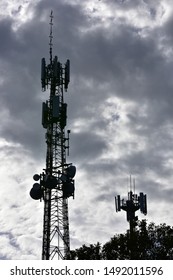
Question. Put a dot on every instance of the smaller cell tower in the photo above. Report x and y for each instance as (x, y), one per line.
(131, 205)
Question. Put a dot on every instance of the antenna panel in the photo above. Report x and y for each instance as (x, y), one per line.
(55, 108)
(57, 70)
(43, 73)
(118, 203)
(67, 73)
(63, 117)
(141, 201)
(45, 114)
(145, 204)
(130, 211)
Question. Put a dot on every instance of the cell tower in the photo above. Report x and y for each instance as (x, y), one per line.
(56, 183)
(131, 205)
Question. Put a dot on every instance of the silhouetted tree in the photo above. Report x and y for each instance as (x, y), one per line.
(117, 248)
(91, 252)
(151, 243)
(161, 242)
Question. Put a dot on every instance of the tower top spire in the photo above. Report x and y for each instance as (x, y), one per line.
(51, 36)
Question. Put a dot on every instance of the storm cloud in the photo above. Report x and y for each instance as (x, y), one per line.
(119, 113)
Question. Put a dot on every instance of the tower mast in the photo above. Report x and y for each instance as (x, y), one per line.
(56, 182)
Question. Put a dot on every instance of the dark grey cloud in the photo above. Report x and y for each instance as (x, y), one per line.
(107, 57)
(128, 5)
(157, 192)
(91, 146)
(119, 109)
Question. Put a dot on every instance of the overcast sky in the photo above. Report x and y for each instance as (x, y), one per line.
(120, 113)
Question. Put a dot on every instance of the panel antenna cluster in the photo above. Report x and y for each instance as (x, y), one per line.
(132, 204)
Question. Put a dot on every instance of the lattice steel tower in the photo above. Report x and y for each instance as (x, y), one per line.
(56, 183)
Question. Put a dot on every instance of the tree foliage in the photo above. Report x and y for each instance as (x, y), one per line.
(152, 242)
(91, 252)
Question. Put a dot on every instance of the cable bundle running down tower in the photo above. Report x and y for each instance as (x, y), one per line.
(56, 183)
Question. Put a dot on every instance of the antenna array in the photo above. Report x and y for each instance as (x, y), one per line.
(56, 183)
(132, 204)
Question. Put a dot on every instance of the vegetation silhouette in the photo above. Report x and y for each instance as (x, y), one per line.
(152, 242)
